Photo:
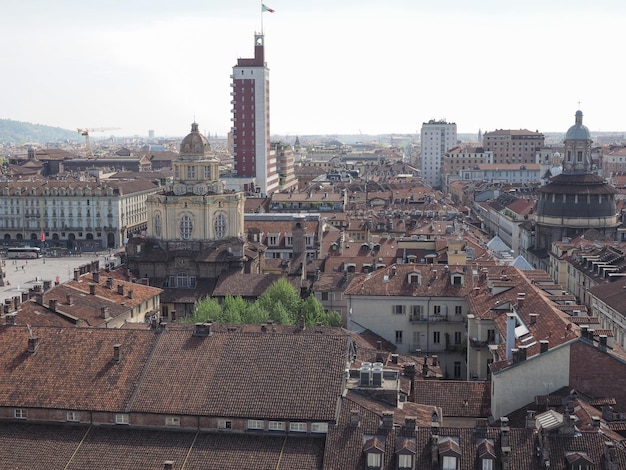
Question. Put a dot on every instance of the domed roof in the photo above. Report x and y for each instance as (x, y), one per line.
(578, 131)
(195, 143)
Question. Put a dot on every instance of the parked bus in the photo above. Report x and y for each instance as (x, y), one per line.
(23, 252)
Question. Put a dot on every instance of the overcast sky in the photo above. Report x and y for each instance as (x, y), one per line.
(336, 66)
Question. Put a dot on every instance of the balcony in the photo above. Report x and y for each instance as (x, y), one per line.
(476, 344)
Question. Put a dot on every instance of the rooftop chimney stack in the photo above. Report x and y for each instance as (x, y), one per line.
(96, 277)
(168, 465)
(68, 299)
(104, 313)
(33, 344)
(120, 289)
(410, 423)
(203, 329)
(53, 304)
(117, 352)
(110, 283)
(77, 275)
(9, 319)
(544, 344)
(92, 289)
(131, 294)
(387, 420)
(355, 418)
(603, 342)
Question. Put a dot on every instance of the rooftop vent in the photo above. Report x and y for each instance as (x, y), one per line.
(203, 329)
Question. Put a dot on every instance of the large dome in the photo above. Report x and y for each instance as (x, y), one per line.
(578, 131)
(195, 143)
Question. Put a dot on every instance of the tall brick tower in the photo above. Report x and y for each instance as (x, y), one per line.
(251, 121)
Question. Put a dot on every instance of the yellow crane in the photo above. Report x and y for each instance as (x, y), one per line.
(85, 132)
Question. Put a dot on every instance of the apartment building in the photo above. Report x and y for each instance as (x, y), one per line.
(513, 146)
(437, 137)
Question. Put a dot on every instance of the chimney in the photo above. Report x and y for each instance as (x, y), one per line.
(434, 450)
(584, 330)
(92, 289)
(263, 328)
(173, 315)
(104, 313)
(409, 370)
(394, 358)
(131, 294)
(68, 299)
(96, 277)
(603, 342)
(533, 318)
(387, 420)
(435, 361)
(110, 283)
(531, 423)
(410, 423)
(120, 289)
(168, 465)
(302, 322)
(117, 352)
(609, 456)
(9, 319)
(544, 344)
(33, 344)
(77, 275)
(355, 418)
(504, 434)
(520, 299)
(379, 356)
(481, 426)
(510, 334)
(379, 345)
(595, 421)
(53, 304)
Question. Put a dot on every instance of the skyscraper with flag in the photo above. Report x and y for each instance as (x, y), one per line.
(254, 160)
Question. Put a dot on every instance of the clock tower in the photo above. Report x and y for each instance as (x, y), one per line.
(196, 207)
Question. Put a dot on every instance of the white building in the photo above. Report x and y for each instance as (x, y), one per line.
(437, 137)
(79, 215)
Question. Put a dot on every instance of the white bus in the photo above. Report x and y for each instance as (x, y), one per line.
(23, 252)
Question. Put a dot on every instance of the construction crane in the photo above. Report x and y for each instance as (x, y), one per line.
(85, 132)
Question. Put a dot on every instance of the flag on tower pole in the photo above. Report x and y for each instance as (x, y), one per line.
(266, 8)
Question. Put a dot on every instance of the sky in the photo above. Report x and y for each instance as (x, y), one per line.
(336, 67)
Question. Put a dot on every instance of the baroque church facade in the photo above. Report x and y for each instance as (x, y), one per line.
(195, 231)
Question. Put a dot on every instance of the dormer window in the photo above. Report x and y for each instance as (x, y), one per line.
(414, 279)
(487, 454)
(406, 448)
(456, 279)
(449, 452)
(578, 460)
(374, 449)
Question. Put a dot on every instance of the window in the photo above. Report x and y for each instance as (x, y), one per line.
(398, 337)
(122, 418)
(73, 416)
(405, 461)
(319, 427)
(297, 427)
(397, 309)
(457, 337)
(191, 171)
(256, 424)
(157, 225)
(172, 421)
(437, 309)
(457, 369)
(458, 310)
(417, 311)
(449, 463)
(373, 460)
(224, 424)
(207, 172)
(436, 337)
(220, 226)
(185, 227)
(20, 413)
(276, 426)
(325, 296)
(487, 464)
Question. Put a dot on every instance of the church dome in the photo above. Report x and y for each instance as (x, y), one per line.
(578, 131)
(194, 143)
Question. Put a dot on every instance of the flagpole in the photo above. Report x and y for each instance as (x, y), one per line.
(262, 18)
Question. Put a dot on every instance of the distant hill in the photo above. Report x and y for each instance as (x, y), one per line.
(18, 133)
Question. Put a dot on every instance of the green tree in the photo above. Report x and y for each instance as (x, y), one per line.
(282, 302)
(233, 309)
(206, 309)
(255, 314)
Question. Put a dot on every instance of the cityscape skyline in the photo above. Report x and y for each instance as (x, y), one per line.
(353, 68)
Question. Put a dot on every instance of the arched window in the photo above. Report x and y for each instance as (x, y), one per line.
(219, 224)
(157, 225)
(186, 227)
